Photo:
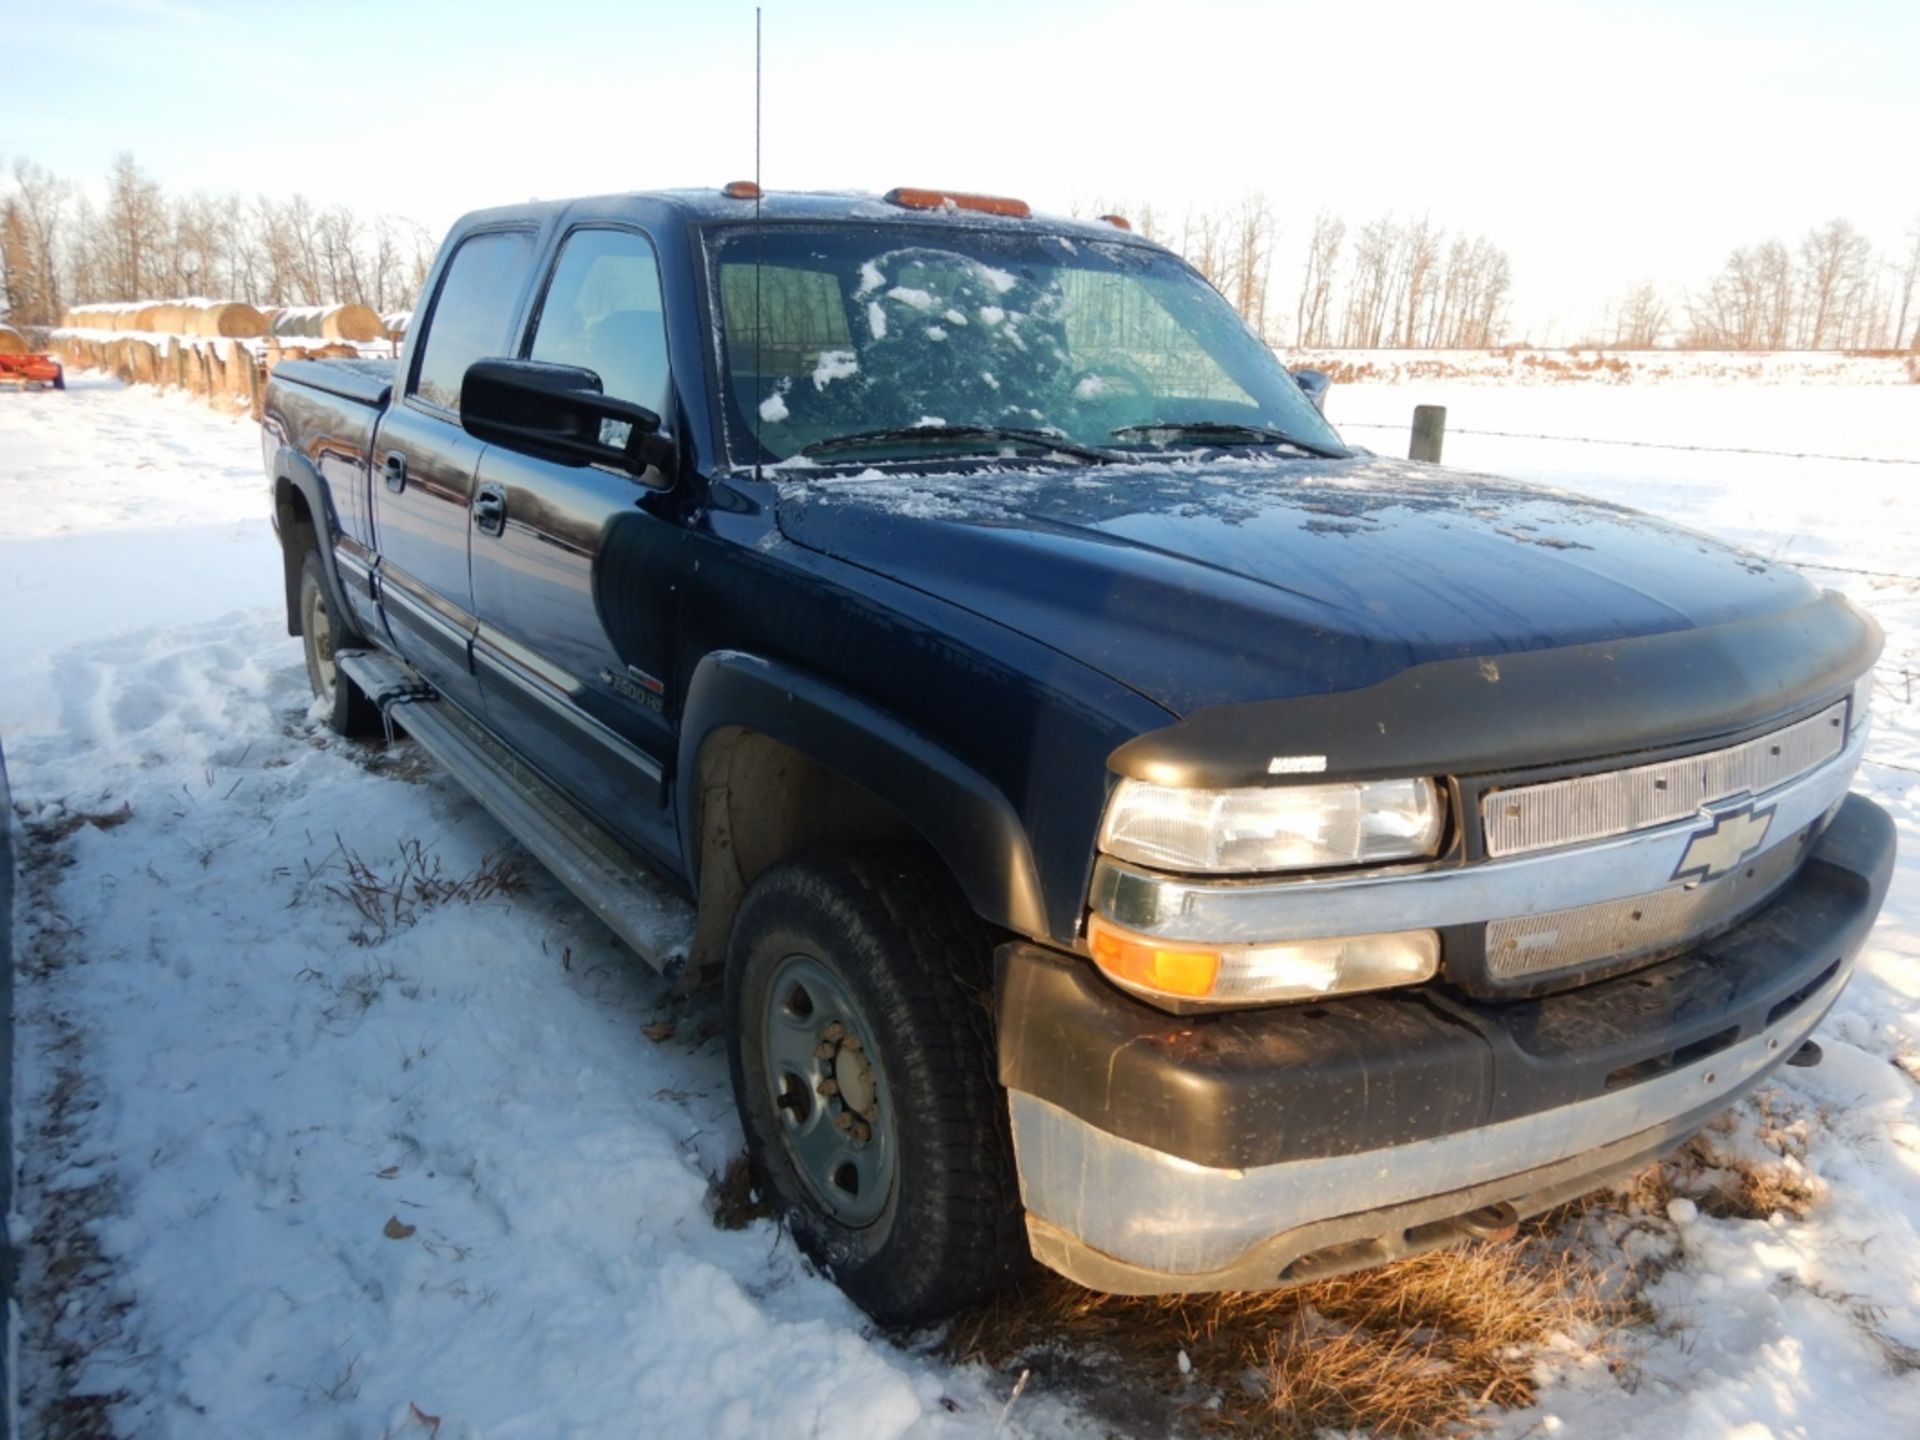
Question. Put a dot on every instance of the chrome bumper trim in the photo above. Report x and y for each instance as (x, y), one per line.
(1154, 1210)
(1227, 911)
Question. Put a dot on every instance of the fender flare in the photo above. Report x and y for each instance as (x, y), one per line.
(963, 816)
(294, 473)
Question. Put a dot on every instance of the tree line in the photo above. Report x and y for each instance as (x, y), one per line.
(59, 248)
(1393, 281)
(1831, 291)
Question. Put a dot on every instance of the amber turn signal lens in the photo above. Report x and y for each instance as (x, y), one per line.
(741, 190)
(912, 199)
(1137, 960)
(1119, 222)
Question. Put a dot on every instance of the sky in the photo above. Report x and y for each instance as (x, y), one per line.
(1598, 143)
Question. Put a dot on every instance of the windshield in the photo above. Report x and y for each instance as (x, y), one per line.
(869, 334)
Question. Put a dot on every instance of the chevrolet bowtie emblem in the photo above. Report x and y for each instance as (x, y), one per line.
(1731, 838)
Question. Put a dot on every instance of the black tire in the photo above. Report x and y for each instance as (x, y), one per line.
(349, 711)
(891, 931)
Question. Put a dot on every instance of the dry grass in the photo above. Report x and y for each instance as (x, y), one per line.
(393, 897)
(63, 822)
(1712, 1172)
(1420, 1347)
(733, 1198)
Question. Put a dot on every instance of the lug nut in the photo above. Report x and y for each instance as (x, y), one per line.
(823, 1052)
(833, 1031)
(843, 1122)
(860, 1132)
(852, 1042)
(829, 1088)
(872, 1112)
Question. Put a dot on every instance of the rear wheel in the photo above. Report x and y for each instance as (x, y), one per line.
(349, 711)
(862, 1058)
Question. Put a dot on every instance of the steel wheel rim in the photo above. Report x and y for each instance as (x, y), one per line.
(320, 627)
(828, 1085)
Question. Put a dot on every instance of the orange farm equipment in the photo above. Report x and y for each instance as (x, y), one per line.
(25, 370)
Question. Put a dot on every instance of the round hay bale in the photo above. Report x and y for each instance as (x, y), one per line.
(328, 322)
(144, 316)
(171, 317)
(12, 342)
(229, 320)
(353, 322)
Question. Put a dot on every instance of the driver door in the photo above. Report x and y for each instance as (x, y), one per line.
(571, 563)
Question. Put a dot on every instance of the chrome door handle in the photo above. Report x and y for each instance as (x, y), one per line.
(394, 468)
(490, 510)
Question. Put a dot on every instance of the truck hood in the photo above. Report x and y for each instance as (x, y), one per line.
(1207, 583)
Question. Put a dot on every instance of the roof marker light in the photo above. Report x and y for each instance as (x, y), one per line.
(912, 199)
(741, 190)
(1119, 222)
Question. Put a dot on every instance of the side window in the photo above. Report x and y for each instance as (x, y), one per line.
(474, 314)
(602, 313)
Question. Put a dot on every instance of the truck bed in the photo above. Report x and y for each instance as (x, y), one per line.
(370, 382)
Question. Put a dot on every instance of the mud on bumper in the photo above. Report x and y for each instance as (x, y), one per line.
(1242, 1151)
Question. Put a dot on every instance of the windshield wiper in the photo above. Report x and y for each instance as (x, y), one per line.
(1231, 433)
(947, 434)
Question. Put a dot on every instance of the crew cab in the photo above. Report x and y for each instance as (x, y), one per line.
(1131, 827)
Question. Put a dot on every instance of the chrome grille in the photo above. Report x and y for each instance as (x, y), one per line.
(1638, 925)
(1617, 802)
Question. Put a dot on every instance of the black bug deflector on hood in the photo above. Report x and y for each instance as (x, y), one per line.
(1540, 707)
(1234, 582)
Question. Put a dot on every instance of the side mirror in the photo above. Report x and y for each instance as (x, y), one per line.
(559, 413)
(1314, 384)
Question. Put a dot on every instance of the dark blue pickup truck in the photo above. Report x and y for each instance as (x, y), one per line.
(1133, 828)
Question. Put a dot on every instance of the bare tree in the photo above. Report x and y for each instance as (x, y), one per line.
(1419, 254)
(1833, 277)
(31, 221)
(1312, 315)
(1251, 259)
(1641, 318)
(133, 232)
(1909, 278)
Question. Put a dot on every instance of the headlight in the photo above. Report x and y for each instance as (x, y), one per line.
(1186, 974)
(1273, 827)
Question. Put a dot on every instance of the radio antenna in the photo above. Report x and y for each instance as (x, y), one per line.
(759, 314)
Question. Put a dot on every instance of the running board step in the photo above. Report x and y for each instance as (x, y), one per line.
(636, 904)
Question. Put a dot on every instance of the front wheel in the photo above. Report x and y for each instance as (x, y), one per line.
(862, 1058)
(349, 711)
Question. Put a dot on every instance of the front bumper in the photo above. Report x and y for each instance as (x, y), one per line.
(1255, 1148)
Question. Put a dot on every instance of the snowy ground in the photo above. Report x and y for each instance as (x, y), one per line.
(320, 1168)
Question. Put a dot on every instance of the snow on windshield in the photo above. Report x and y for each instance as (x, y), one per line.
(844, 331)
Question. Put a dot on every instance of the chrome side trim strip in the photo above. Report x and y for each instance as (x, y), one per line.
(1156, 1210)
(503, 663)
(1181, 908)
(402, 602)
(1525, 818)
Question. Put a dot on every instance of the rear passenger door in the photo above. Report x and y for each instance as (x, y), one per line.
(573, 564)
(424, 463)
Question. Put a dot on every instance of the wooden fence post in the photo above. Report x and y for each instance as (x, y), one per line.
(1429, 432)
